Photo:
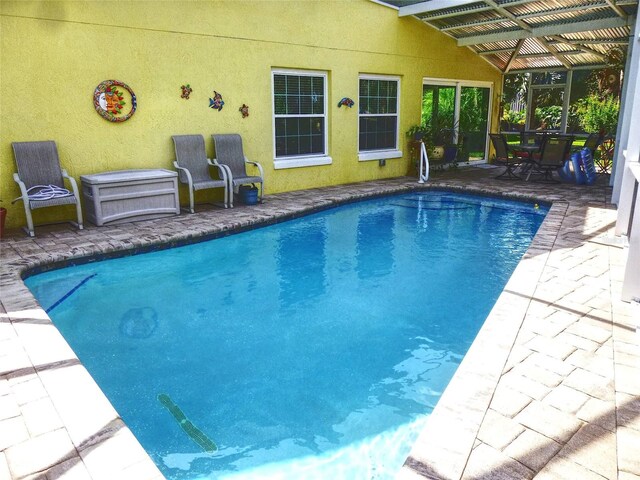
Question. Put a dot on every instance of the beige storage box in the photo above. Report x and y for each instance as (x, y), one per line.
(130, 195)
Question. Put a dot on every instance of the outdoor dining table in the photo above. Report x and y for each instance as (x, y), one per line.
(525, 147)
(529, 149)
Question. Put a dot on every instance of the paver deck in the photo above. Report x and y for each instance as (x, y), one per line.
(550, 388)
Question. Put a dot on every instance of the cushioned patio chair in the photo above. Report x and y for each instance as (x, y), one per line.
(193, 165)
(230, 154)
(41, 180)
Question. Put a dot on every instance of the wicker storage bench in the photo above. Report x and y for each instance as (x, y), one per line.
(130, 195)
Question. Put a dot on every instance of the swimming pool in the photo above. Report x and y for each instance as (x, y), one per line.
(311, 348)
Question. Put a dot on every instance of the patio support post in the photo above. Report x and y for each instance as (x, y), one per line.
(629, 115)
(626, 170)
(629, 218)
(527, 121)
(566, 102)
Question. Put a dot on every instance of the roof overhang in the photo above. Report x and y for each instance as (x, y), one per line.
(523, 35)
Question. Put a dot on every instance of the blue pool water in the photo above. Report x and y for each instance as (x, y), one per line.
(312, 348)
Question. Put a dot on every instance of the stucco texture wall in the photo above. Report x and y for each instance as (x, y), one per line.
(54, 54)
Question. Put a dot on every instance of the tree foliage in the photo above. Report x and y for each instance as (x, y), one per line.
(515, 86)
(598, 114)
(550, 117)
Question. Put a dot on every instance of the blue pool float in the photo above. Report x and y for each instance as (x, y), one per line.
(579, 168)
(587, 166)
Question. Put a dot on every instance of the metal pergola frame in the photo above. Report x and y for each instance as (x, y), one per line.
(520, 35)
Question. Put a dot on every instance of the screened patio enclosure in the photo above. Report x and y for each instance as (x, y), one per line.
(566, 36)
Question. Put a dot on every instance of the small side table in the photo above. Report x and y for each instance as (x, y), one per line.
(130, 195)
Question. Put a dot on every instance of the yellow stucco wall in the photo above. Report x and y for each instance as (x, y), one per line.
(54, 54)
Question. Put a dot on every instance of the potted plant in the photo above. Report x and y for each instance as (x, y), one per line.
(431, 139)
(415, 135)
(450, 148)
(418, 132)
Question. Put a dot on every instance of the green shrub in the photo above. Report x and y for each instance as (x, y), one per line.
(550, 117)
(512, 116)
(598, 114)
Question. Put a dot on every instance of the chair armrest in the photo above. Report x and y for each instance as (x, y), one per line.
(224, 169)
(72, 181)
(24, 196)
(246, 160)
(225, 172)
(185, 172)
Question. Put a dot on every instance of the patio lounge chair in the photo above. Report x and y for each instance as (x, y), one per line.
(229, 153)
(41, 180)
(193, 165)
(504, 157)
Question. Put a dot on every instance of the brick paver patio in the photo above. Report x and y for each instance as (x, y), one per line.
(550, 389)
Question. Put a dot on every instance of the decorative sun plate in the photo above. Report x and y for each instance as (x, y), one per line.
(114, 101)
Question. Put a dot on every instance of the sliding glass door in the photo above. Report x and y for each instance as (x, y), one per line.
(458, 112)
(474, 120)
(438, 106)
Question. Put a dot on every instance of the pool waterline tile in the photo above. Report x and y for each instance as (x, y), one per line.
(559, 255)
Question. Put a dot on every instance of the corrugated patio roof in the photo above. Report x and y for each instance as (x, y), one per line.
(524, 35)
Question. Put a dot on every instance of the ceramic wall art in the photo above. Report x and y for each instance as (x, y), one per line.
(114, 101)
(216, 102)
(186, 91)
(346, 101)
(244, 110)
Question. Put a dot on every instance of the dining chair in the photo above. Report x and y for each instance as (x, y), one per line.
(555, 150)
(505, 157)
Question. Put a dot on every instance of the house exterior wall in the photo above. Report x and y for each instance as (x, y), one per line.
(54, 54)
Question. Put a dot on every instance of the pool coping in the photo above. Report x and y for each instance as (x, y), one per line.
(89, 438)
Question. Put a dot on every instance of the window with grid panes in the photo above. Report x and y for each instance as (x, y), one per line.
(299, 105)
(378, 103)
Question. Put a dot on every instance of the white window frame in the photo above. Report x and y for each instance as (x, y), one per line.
(566, 98)
(368, 155)
(301, 160)
(458, 84)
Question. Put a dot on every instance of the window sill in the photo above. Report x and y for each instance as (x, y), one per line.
(280, 163)
(379, 155)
